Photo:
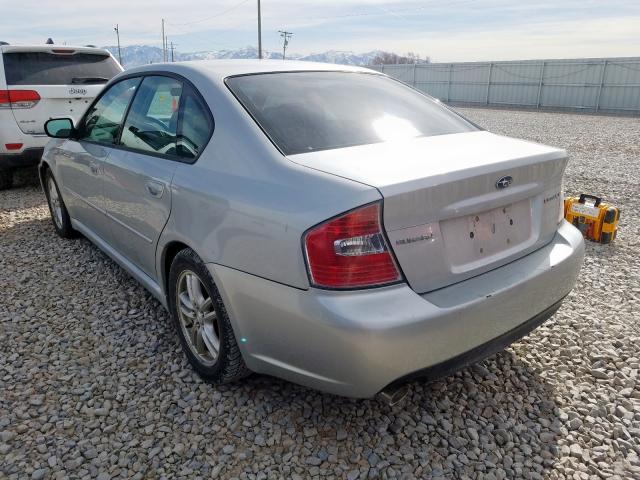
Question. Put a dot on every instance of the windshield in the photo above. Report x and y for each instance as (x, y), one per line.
(41, 68)
(310, 111)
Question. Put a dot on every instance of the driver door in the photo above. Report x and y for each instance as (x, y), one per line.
(138, 172)
(80, 164)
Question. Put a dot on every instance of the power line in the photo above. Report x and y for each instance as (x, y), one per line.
(153, 32)
(387, 11)
(224, 12)
(286, 36)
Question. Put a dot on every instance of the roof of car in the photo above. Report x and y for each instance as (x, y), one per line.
(220, 69)
(51, 47)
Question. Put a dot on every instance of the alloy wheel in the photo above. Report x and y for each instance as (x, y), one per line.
(54, 200)
(198, 318)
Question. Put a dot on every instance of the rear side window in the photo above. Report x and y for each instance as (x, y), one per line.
(102, 122)
(42, 68)
(195, 128)
(152, 122)
(310, 111)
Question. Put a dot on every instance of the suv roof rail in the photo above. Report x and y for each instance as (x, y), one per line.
(91, 46)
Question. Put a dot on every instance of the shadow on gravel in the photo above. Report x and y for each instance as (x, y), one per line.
(498, 417)
(26, 177)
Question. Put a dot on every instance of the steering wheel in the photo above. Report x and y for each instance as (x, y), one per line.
(158, 123)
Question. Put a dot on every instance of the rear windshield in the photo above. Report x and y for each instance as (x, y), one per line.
(41, 68)
(310, 111)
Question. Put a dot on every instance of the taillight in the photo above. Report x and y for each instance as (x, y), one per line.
(350, 251)
(18, 98)
(4, 99)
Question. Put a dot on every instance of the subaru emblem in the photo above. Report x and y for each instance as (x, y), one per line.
(504, 182)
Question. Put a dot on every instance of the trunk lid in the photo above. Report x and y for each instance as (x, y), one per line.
(445, 215)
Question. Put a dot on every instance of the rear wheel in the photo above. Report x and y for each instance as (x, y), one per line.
(6, 179)
(202, 322)
(59, 214)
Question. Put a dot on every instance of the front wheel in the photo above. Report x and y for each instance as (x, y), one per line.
(202, 322)
(59, 213)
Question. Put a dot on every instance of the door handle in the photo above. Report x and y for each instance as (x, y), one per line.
(95, 169)
(155, 189)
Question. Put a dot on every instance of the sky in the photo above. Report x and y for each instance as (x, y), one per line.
(445, 30)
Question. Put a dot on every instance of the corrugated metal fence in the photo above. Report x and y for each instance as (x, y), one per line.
(591, 85)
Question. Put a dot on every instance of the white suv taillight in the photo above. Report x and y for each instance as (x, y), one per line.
(350, 251)
(18, 98)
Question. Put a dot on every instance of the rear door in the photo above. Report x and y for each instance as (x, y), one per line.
(166, 124)
(65, 79)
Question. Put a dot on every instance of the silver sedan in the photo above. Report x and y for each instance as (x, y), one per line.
(323, 224)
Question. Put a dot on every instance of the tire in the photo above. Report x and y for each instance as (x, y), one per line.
(201, 306)
(59, 214)
(6, 179)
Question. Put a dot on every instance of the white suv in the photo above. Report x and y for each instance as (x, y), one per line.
(42, 82)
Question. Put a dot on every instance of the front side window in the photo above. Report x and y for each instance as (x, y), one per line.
(310, 111)
(103, 120)
(152, 122)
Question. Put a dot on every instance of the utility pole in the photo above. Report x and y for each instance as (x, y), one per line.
(285, 41)
(259, 32)
(118, 34)
(173, 46)
(164, 44)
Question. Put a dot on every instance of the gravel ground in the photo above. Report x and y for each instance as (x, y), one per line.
(94, 385)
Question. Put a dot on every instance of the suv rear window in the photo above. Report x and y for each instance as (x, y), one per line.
(310, 111)
(42, 68)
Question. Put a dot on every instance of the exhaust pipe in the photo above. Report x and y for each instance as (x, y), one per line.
(393, 395)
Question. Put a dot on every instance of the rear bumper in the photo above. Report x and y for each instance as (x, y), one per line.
(356, 343)
(27, 158)
(483, 351)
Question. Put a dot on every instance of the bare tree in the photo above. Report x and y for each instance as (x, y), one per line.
(388, 58)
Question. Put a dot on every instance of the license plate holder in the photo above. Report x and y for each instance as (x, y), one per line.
(492, 231)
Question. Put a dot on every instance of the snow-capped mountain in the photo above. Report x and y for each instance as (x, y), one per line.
(135, 55)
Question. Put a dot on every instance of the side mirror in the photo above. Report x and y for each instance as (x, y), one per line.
(59, 127)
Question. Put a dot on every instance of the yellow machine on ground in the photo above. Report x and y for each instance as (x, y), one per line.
(598, 221)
